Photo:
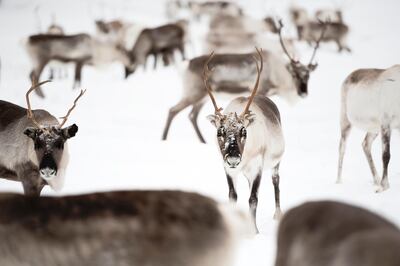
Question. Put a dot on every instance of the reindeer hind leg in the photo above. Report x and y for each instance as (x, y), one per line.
(275, 182)
(385, 132)
(193, 115)
(367, 144)
(182, 104)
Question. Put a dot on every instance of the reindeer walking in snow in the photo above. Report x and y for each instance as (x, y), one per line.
(235, 73)
(250, 138)
(370, 101)
(33, 146)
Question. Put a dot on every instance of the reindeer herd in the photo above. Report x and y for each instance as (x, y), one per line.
(174, 228)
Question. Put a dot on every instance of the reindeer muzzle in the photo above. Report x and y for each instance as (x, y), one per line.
(48, 167)
(233, 161)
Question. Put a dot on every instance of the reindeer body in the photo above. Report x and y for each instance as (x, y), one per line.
(335, 31)
(18, 160)
(331, 234)
(146, 228)
(80, 49)
(379, 89)
(214, 8)
(233, 74)
(163, 40)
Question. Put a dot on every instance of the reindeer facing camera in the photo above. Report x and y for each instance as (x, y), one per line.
(33, 145)
(250, 137)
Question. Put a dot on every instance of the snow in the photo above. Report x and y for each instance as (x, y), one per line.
(118, 145)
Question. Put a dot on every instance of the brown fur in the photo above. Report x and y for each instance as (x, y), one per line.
(331, 234)
(364, 75)
(146, 228)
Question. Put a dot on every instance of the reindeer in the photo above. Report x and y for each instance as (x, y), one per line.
(379, 89)
(250, 141)
(234, 74)
(33, 145)
(55, 29)
(163, 40)
(309, 30)
(80, 49)
(232, 34)
(214, 8)
(331, 233)
(137, 228)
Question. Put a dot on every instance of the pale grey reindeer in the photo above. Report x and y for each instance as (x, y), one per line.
(135, 228)
(370, 101)
(163, 40)
(81, 49)
(336, 234)
(33, 145)
(234, 74)
(309, 29)
(58, 71)
(250, 138)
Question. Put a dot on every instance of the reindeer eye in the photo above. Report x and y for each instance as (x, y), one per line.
(221, 132)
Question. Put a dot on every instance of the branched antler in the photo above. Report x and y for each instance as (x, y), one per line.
(259, 70)
(206, 75)
(282, 43)
(324, 26)
(29, 111)
(65, 118)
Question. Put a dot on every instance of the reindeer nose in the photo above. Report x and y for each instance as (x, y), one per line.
(47, 173)
(233, 161)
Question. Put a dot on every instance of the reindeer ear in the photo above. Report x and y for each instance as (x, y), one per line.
(248, 119)
(214, 119)
(70, 131)
(31, 132)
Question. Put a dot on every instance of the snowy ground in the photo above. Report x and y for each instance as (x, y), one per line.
(120, 122)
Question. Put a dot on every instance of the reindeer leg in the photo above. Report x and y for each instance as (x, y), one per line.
(35, 76)
(181, 49)
(385, 132)
(275, 182)
(78, 74)
(367, 143)
(182, 104)
(253, 200)
(32, 183)
(51, 76)
(155, 61)
(232, 188)
(342, 146)
(193, 118)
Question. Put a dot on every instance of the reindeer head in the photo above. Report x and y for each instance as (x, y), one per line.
(300, 72)
(231, 127)
(49, 139)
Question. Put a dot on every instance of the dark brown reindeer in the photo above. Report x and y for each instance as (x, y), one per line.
(136, 228)
(80, 49)
(309, 30)
(336, 234)
(250, 137)
(163, 40)
(234, 74)
(33, 145)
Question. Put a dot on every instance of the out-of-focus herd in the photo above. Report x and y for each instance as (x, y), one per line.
(180, 228)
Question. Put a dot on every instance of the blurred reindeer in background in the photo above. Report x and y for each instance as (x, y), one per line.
(250, 137)
(80, 49)
(136, 228)
(309, 29)
(234, 74)
(331, 234)
(163, 40)
(214, 8)
(33, 145)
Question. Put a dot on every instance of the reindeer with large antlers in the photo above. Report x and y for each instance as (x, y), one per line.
(33, 145)
(234, 74)
(250, 138)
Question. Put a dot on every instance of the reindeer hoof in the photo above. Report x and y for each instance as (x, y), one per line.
(278, 215)
(382, 188)
(338, 181)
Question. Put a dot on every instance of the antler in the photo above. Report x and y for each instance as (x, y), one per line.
(206, 73)
(282, 43)
(65, 118)
(259, 70)
(29, 112)
(324, 26)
